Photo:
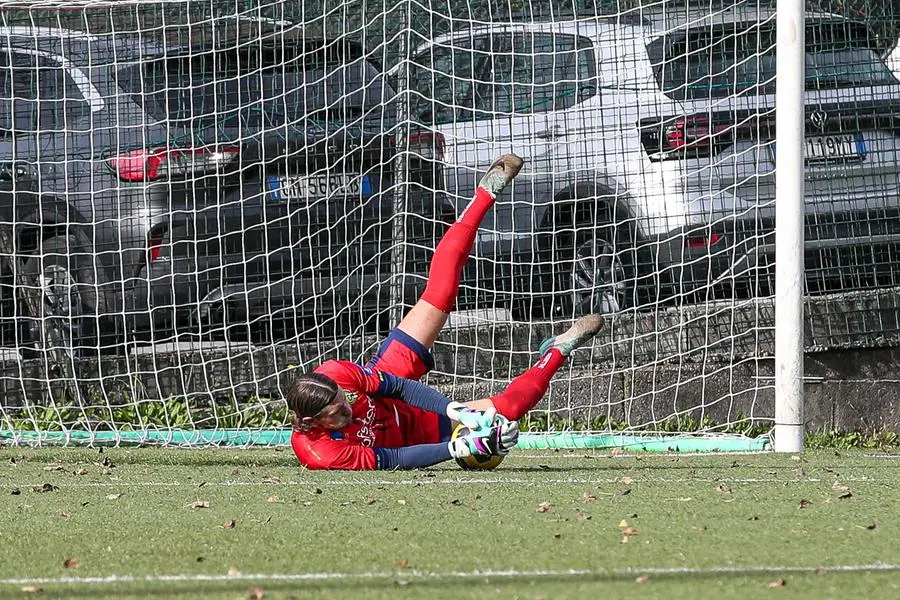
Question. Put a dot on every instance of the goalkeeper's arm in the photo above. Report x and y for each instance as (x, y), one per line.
(427, 398)
(497, 441)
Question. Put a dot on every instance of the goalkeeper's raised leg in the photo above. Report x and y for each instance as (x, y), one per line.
(427, 317)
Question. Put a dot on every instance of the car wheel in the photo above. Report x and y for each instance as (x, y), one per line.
(592, 271)
(56, 299)
(585, 265)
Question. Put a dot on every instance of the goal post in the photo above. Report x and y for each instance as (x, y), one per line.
(789, 201)
(229, 193)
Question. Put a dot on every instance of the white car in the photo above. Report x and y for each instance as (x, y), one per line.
(650, 155)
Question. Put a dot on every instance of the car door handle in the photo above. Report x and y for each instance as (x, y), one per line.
(550, 133)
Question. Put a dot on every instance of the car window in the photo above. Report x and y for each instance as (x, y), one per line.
(37, 94)
(490, 75)
(725, 60)
(538, 72)
(441, 79)
(254, 87)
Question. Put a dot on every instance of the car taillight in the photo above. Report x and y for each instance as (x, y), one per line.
(154, 243)
(686, 137)
(702, 241)
(159, 163)
(427, 144)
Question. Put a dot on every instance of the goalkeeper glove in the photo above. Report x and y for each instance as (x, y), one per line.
(473, 420)
(509, 435)
(495, 441)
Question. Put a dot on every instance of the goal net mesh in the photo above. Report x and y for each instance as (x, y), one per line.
(200, 199)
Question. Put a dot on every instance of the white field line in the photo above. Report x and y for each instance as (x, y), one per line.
(596, 454)
(413, 574)
(460, 481)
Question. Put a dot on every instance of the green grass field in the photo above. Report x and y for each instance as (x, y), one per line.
(231, 523)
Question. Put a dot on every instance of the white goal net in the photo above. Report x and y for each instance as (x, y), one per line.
(200, 199)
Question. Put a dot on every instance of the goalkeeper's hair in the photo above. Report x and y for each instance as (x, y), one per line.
(307, 396)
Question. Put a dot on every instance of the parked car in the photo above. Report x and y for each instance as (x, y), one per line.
(239, 181)
(650, 155)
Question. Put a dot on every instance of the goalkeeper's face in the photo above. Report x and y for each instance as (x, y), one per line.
(335, 415)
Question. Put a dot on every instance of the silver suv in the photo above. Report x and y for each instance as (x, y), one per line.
(650, 154)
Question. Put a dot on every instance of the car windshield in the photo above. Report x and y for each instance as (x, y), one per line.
(251, 87)
(725, 60)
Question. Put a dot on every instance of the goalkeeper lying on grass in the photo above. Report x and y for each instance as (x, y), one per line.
(379, 416)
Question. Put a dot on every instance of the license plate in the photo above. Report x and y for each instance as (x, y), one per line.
(838, 147)
(842, 147)
(314, 187)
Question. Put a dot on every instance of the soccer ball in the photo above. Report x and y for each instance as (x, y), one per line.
(474, 463)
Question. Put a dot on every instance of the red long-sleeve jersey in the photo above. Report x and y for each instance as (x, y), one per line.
(378, 422)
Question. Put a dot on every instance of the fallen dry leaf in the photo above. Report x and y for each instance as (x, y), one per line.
(201, 559)
(401, 564)
(369, 500)
(804, 503)
(32, 589)
(839, 487)
(626, 480)
(642, 579)
(544, 507)
(65, 515)
(778, 583)
(16, 491)
(54, 466)
(272, 480)
(230, 524)
(821, 571)
(753, 518)
(81, 471)
(628, 531)
(872, 526)
(70, 563)
(625, 492)
(401, 502)
(271, 499)
(617, 452)
(113, 496)
(257, 593)
(799, 472)
(233, 571)
(581, 516)
(723, 489)
(588, 497)
(556, 536)
(199, 504)
(624, 539)
(846, 495)
(47, 487)
(623, 523)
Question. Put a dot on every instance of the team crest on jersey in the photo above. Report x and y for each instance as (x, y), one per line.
(351, 397)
